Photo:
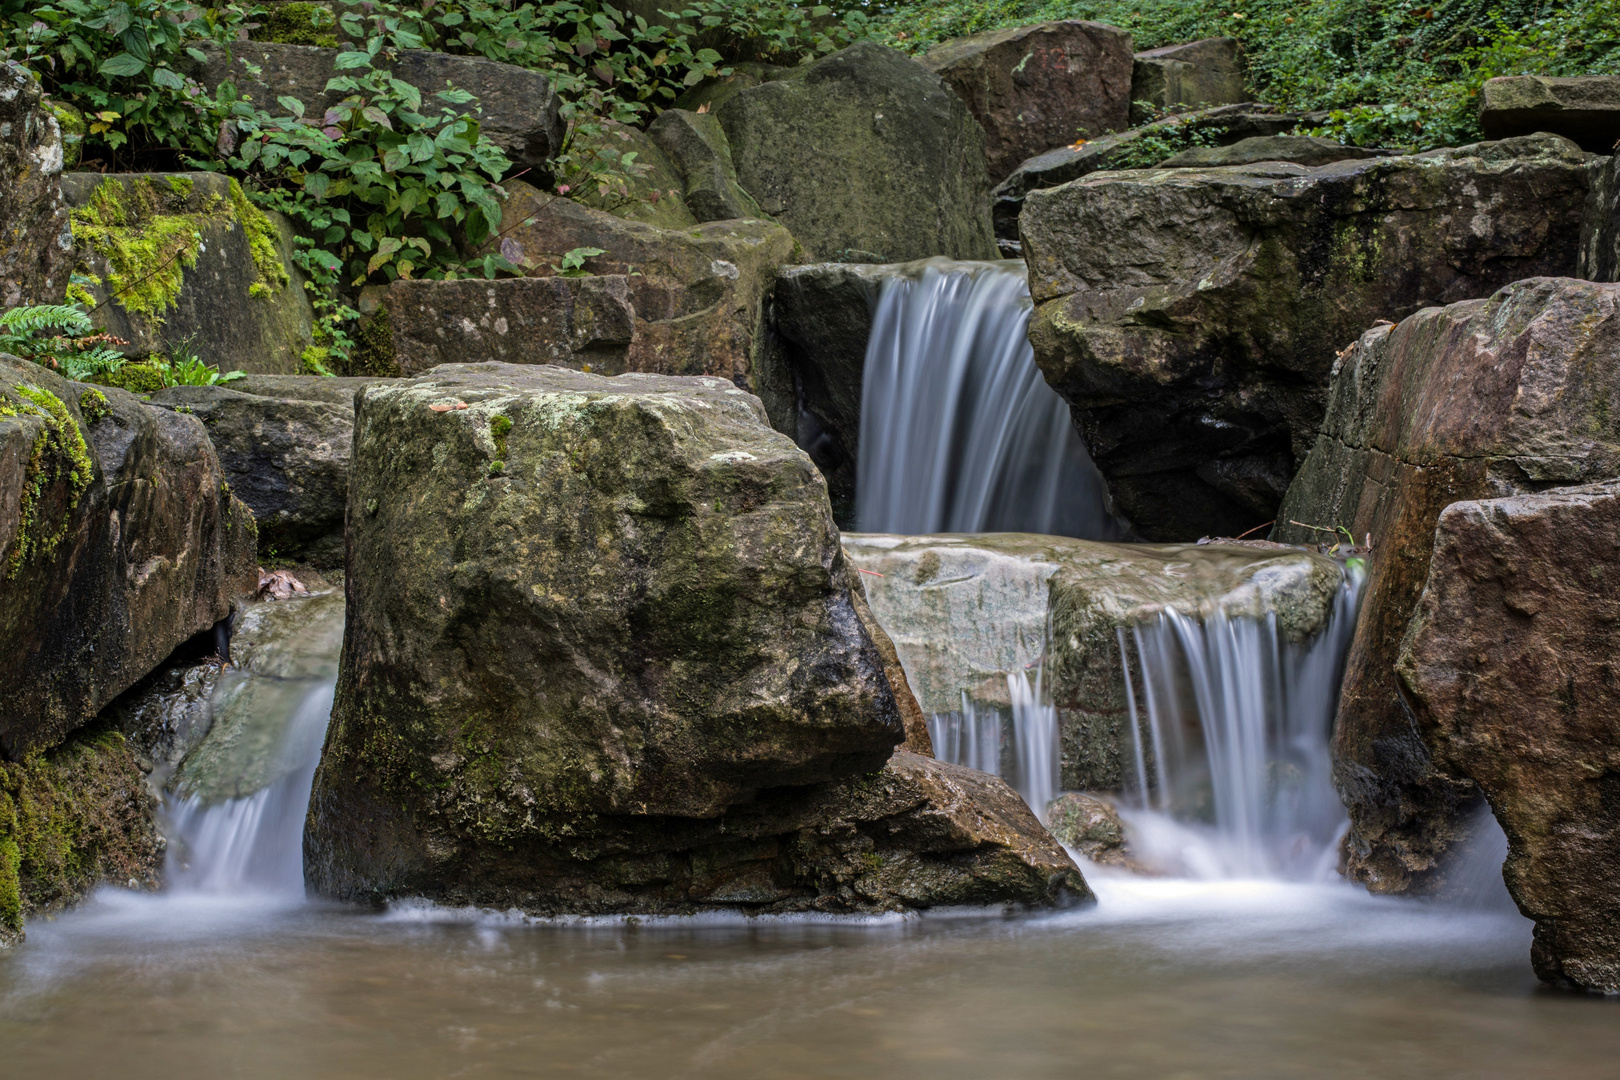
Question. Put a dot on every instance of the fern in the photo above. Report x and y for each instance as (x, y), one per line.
(61, 319)
(60, 337)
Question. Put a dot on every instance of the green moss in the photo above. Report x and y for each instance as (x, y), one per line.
(297, 24)
(317, 360)
(374, 348)
(59, 457)
(136, 378)
(78, 294)
(263, 240)
(499, 428)
(181, 187)
(93, 406)
(71, 121)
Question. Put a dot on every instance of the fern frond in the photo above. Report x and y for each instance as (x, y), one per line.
(51, 318)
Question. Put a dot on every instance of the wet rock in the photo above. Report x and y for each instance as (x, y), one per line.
(696, 145)
(1090, 826)
(1298, 149)
(1484, 398)
(1585, 109)
(182, 263)
(865, 155)
(517, 107)
(695, 295)
(1510, 659)
(1191, 317)
(1034, 87)
(118, 541)
(72, 818)
(604, 653)
(1600, 225)
(36, 248)
(283, 442)
(968, 612)
(1196, 75)
(1225, 123)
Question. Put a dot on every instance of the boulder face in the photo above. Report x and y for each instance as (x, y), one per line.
(966, 612)
(1195, 75)
(1600, 225)
(283, 443)
(1485, 398)
(669, 301)
(36, 248)
(697, 147)
(603, 653)
(1510, 659)
(1585, 109)
(1191, 317)
(865, 156)
(1297, 149)
(182, 261)
(118, 541)
(517, 106)
(1035, 87)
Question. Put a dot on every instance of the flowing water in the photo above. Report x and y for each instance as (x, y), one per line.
(959, 431)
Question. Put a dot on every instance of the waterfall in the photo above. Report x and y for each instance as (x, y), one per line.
(975, 737)
(959, 430)
(1231, 748)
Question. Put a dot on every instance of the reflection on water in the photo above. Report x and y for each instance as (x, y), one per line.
(1164, 978)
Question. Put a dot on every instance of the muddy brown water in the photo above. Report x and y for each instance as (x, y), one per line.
(1162, 979)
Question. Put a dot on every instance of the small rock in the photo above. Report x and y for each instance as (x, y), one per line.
(1090, 826)
(278, 585)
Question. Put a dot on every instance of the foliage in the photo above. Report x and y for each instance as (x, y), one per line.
(1404, 73)
(573, 263)
(60, 337)
(297, 24)
(187, 369)
(1163, 141)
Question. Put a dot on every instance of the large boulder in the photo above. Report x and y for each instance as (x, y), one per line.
(119, 540)
(1191, 76)
(671, 301)
(36, 248)
(696, 146)
(1035, 87)
(517, 107)
(1600, 225)
(183, 262)
(283, 443)
(1222, 125)
(967, 612)
(1296, 149)
(1510, 659)
(864, 155)
(1191, 317)
(1585, 109)
(1485, 398)
(604, 653)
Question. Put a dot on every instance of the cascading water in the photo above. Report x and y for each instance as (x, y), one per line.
(1231, 758)
(959, 430)
(974, 737)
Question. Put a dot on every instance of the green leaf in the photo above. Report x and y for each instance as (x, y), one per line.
(122, 65)
(291, 104)
(348, 61)
(168, 78)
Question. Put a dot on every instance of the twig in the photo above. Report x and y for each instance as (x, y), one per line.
(1257, 528)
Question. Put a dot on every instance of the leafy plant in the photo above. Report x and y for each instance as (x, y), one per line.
(573, 262)
(1163, 141)
(187, 369)
(60, 337)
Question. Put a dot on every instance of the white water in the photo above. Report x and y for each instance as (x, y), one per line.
(959, 430)
(974, 737)
(1231, 749)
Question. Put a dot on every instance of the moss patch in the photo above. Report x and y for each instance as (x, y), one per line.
(297, 24)
(263, 241)
(136, 378)
(59, 468)
(374, 348)
(70, 819)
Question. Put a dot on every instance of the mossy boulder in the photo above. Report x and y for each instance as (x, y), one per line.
(1194, 75)
(184, 263)
(36, 248)
(283, 444)
(965, 612)
(73, 818)
(1512, 394)
(696, 146)
(865, 156)
(119, 540)
(1191, 317)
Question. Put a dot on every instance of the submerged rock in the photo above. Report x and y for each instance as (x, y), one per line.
(604, 653)
(1585, 109)
(1035, 87)
(865, 155)
(1192, 317)
(1510, 658)
(968, 612)
(283, 442)
(183, 263)
(1485, 398)
(1195, 75)
(119, 540)
(36, 248)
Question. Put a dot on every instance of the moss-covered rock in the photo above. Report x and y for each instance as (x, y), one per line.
(1513, 394)
(965, 612)
(71, 819)
(696, 146)
(866, 156)
(1191, 317)
(118, 541)
(189, 265)
(36, 249)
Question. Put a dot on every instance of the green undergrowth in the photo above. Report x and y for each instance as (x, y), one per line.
(58, 471)
(1404, 74)
(70, 818)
